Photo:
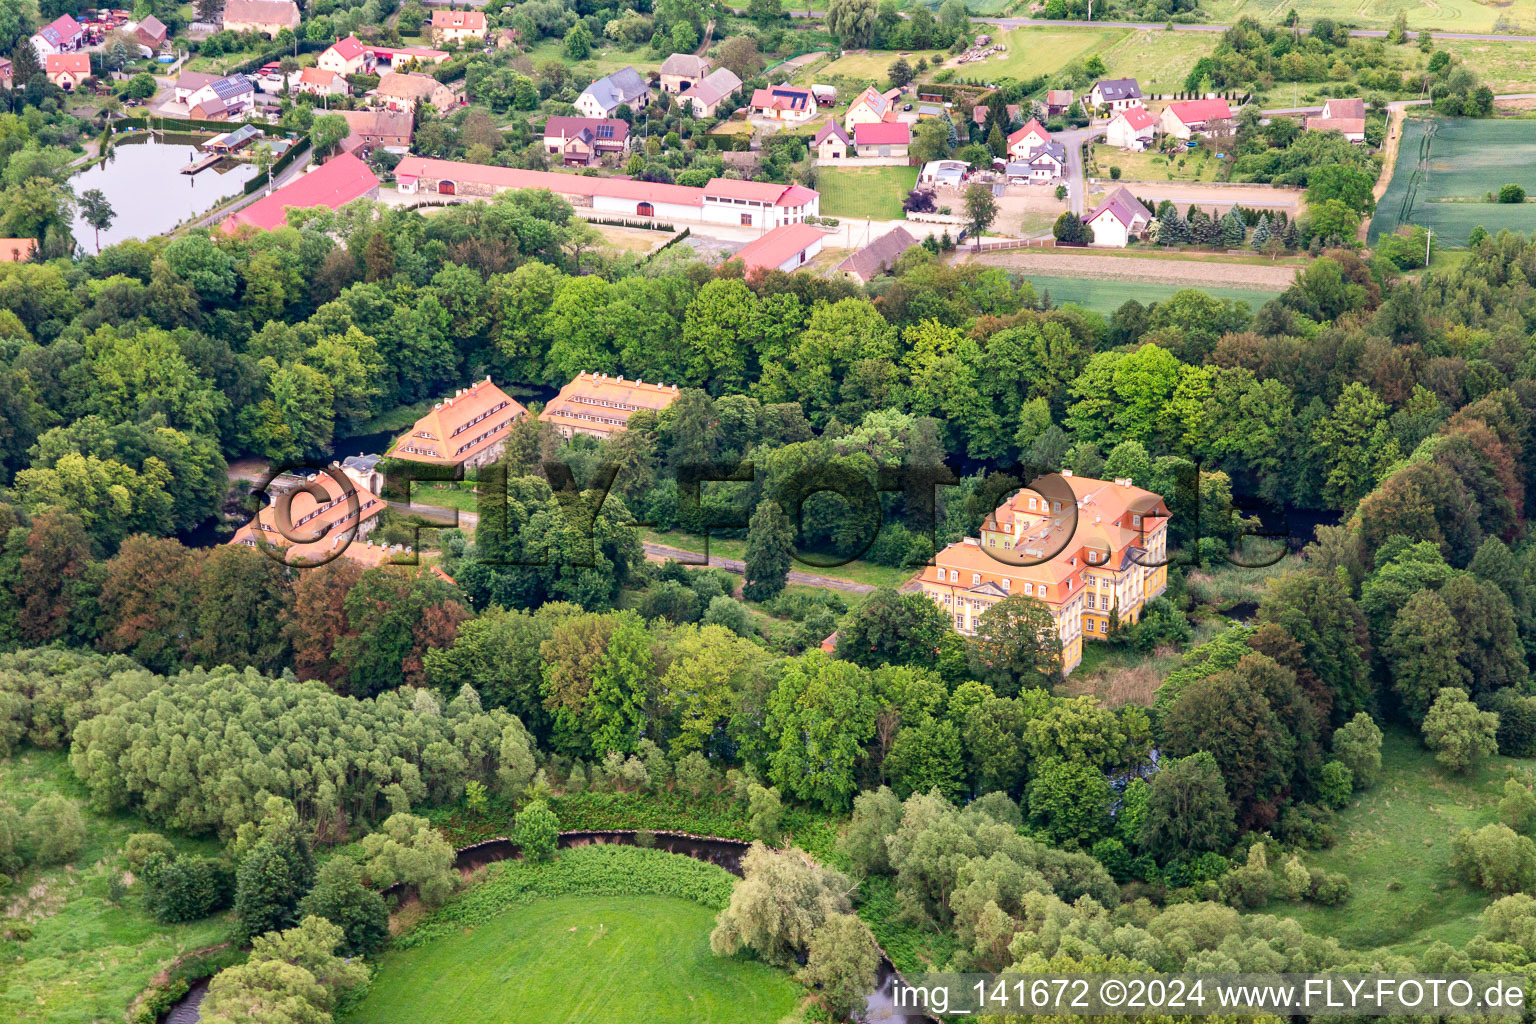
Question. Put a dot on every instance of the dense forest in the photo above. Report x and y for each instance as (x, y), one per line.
(1027, 826)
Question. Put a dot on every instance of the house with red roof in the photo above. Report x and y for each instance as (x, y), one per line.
(832, 143)
(457, 26)
(784, 103)
(888, 138)
(470, 429)
(320, 82)
(721, 201)
(1184, 119)
(871, 106)
(67, 70)
(330, 521)
(786, 248)
(334, 184)
(1132, 128)
(61, 35)
(346, 57)
(1027, 139)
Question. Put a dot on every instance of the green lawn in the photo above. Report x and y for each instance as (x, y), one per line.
(1042, 51)
(1197, 165)
(87, 958)
(579, 959)
(861, 192)
(1158, 60)
(866, 65)
(1108, 296)
(604, 59)
(1395, 846)
(731, 547)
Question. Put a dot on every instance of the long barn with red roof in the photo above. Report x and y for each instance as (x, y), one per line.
(334, 184)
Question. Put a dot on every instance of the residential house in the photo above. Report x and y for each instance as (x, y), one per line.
(1184, 119)
(404, 91)
(469, 430)
(220, 98)
(319, 527)
(1345, 116)
(606, 95)
(1043, 165)
(504, 37)
(826, 95)
(319, 82)
(389, 130)
(950, 173)
(269, 17)
(1118, 219)
(190, 82)
(1132, 128)
(403, 58)
(346, 57)
(715, 88)
(340, 180)
(1027, 139)
(67, 70)
(784, 103)
(457, 26)
(831, 143)
(1092, 551)
(1058, 102)
(600, 406)
(879, 256)
(889, 138)
(721, 201)
(682, 71)
(1116, 94)
(151, 32)
(17, 250)
(786, 248)
(61, 35)
(980, 111)
(580, 141)
(871, 107)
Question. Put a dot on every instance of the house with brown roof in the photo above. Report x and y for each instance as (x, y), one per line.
(580, 141)
(346, 57)
(151, 32)
(1092, 551)
(871, 107)
(1058, 102)
(878, 257)
(832, 143)
(457, 26)
(316, 528)
(67, 70)
(1345, 116)
(469, 430)
(786, 248)
(600, 406)
(682, 71)
(715, 88)
(377, 128)
(320, 82)
(979, 113)
(1118, 219)
(404, 91)
(269, 17)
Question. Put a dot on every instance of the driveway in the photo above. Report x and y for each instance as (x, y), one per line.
(1073, 139)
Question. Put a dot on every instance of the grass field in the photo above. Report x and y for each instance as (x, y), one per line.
(1503, 66)
(1466, 159)
(1439, 16)
(870, 65)
(1198, 165)
(87, 957)
(865, 191)
(1395, 846)
(1108, 296)
(1158, 60)
(579, 959)
(1043, 51)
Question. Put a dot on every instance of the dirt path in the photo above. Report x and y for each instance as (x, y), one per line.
(1159, 271)
(660, 553)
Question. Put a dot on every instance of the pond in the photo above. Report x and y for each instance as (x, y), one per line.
(142, 180)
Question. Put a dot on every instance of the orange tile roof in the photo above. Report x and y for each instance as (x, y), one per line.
(471, 20)
(598, 403)
(460, 427)
(320, 528)
(15, 250)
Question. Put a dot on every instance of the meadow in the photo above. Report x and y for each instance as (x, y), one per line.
(89, 954)
(1442, 184)
(860, 192)
(1159, 60)
(1395, 845)
(1441, 16)
(1042, 51)
(1106, 296)
(1196, 165)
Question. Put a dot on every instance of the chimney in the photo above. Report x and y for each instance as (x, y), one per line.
(1066, 472)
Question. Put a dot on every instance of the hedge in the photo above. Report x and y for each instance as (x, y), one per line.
(279, 165)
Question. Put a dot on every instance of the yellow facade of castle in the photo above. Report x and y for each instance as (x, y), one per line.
(1086, 548)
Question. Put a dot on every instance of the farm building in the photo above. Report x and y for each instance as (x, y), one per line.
(389, 130)
(878, 256)
(713, 90)
(786, 248)
(269, 17)
(337, 182)
(682, 71)
(609, 93)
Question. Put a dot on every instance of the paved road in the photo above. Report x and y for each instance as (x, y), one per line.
(1077, 184)
(661, 552)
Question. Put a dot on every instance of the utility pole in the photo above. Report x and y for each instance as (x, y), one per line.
(1427, 239)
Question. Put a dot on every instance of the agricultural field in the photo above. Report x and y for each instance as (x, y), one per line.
(1440, 16)
(1504, 67)
(1158, 60)
(1043, 51)
(1394, 843)
(1445, 169)
(89, 955)
(1106, 296)
(859, 192)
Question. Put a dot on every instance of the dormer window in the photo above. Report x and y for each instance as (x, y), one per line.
(1136, 520)
(975, 579)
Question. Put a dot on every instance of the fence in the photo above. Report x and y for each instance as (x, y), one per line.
(279, 165)
(1018, 243)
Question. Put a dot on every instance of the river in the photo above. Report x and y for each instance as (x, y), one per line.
(142, 180)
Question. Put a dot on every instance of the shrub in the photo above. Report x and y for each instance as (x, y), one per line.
(1518, 807)
(1307, 826)
(186, 888)
(1335, 784)
(1113, 855)
(1511, 193)
(1357, 745)
(1295, 879)
(1458, 732)
(1494, 858)
(139, 846)
(55, 830)
(1330, 889)
(1250, 885)
(537, 831)
(767, 813)
(1114, 173)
